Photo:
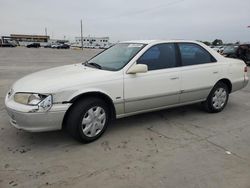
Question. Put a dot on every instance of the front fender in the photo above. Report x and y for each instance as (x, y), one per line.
(89, 90)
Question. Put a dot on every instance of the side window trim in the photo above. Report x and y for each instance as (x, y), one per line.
(178, 55)
(213, 59)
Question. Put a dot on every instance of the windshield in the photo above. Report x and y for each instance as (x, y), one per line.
(230, 49)
(115, 57)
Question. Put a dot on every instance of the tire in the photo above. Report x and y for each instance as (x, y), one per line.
(88, 119)
(217, 99)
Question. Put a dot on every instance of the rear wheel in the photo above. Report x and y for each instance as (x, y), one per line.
(217, 99)
(88, 119)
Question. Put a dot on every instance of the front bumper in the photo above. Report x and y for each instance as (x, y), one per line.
(27, 120)
(36, 122)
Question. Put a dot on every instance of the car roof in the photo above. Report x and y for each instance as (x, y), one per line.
(216, 55)
(157, 41)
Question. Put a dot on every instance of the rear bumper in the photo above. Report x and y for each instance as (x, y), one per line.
(240, 84)
(246, 80)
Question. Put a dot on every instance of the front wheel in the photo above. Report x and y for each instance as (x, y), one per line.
(88, 119)
(217, 99)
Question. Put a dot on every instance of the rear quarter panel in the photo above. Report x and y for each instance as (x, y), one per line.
(234, 71)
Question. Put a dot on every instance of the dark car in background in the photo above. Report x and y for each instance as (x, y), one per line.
(238, 51)
(230, 51)
(63, 46)
(47, 46)
(34, 45)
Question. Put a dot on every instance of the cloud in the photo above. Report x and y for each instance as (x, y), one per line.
(129, 19)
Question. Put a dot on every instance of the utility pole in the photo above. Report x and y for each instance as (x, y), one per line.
(81, 36)
(45, 31)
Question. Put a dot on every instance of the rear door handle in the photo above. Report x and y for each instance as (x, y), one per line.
(174, 78)
(215, 72)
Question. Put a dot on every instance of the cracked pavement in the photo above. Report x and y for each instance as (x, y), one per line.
(180, 147)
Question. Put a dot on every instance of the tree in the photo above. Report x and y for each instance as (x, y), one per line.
(217, 42)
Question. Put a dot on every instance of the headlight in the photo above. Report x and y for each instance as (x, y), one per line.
(34, 99)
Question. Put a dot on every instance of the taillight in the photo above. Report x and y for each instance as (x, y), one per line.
(245, 69)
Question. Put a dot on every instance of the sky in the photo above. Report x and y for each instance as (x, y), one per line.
(129, 19)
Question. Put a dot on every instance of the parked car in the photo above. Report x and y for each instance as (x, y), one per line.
(60, 46)
(218, 49)
(33, 45)
(55, 45)
(7, 44)
(231, 51)
(238, 51)
(127, 79)
(10, 45)
(63, 46)
(47, 46)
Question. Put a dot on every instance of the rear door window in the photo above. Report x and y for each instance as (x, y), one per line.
(193, 54)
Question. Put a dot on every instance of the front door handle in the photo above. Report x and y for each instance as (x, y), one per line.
(215, 72)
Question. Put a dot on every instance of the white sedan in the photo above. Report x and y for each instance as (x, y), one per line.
(129, 78)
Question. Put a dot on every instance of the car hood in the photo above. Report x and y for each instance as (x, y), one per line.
(59, 78)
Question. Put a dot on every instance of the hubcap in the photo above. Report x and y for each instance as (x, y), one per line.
(93, 121)
(219, 98)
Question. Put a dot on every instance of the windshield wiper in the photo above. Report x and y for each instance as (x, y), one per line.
(93, 65)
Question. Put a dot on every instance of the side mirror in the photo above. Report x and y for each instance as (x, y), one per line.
(138, 68)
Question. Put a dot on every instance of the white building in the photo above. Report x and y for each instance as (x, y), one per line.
(92, 42)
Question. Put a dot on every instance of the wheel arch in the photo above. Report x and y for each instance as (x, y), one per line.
(96, 94)
(227, 82)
